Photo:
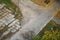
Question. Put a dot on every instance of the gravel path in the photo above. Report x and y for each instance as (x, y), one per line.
(37, 20)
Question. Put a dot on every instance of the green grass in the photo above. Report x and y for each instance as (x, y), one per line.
(8, 3)
(48, 34)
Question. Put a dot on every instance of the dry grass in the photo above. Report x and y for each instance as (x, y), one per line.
(44, 4)
(58, 15)
(41, 3)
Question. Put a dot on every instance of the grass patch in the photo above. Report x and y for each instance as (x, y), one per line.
(9, 4)
(48, 34)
